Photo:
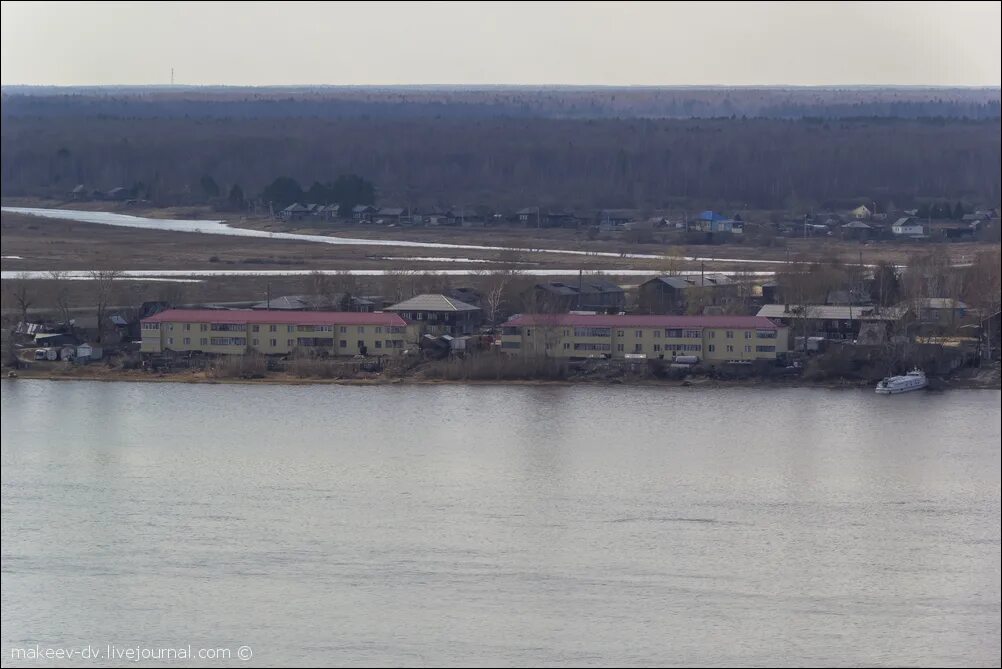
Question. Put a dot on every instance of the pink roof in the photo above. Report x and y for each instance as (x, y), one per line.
(642, 321)
(251, 316)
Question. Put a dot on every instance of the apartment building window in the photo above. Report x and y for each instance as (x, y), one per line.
(343, 344)
(673, 334)
(289, 342)
(766, 334)
(730, 334)
(170, 326)
(657, 334)
(344, 330)
(256, 328)
(203, 327)
(228, 327)
(203, 341)
(170, 341)
(187, 326)
(657, 348)
(713, 334)
(620, 347)
(592, 347)
(272, 328)
(290, 328)
(379, 330)
(747, 348)
(638, 348)
(747, 334)
(324, 328)
(528, 332)
(254, 342)
(567, 346)
(765, 349)
(640, 334)
(692, 334)
(730, 349)
(379, 343)
(228, 341)
(273, 342)
(187, 341)
(620, 333)
(361, 329)
(151, 326)
(567, 333)
(592, 332)
(711, 347)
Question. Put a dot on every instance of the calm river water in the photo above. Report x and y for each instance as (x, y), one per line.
(500, 525)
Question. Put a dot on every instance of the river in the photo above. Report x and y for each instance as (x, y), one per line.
(502, 525)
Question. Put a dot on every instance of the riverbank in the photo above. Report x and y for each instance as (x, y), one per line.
(970, 379)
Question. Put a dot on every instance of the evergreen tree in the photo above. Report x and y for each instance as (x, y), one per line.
(235, 199)
(209, 186)
(282, 192)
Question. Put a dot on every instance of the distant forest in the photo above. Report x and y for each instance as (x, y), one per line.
(574, 149)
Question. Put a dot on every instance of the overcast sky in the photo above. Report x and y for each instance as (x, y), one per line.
(502, 43)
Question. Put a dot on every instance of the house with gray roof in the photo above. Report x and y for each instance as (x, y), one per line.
(438, 314)
(592, 293)
(670, 294)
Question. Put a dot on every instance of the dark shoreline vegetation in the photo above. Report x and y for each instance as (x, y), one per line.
(604, 148)
(826, 371)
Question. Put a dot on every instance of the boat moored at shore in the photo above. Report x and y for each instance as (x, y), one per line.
(892, 385)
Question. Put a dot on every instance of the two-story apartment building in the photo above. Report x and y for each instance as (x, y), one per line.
(709, 338)
(239, 331)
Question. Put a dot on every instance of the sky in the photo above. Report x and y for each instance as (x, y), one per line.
(519, 43)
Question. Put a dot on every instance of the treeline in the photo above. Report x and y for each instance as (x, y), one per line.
(500, 102)
(514, 163)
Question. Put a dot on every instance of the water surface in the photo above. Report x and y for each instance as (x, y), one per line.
(503, 525)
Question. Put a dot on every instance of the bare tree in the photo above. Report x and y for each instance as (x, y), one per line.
(23, 292)
(103, 283)
(61, 296)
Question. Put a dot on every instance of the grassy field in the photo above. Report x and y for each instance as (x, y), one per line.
(51, 244)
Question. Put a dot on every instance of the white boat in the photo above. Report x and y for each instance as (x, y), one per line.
(892, 385)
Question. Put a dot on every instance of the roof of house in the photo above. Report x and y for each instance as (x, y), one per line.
(831, 312)
(629, 321)
(711, 216)
(938, 303)
(304, 302)
(857, 225)
(391, 211)
(904, 220)
(692, 280)
(527, 211)
(276, 317)
(432, 302)
(591, 285)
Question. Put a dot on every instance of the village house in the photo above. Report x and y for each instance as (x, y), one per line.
(529, 216)
(941, 311)
(588, 294)
(714, 339)
(438, 314)
(390, 215)
(669, 294)
(908, 226)
(856, 230)
(610, 220)
(832, 322)
(861, 212)
(363, 213)
(240, 331)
